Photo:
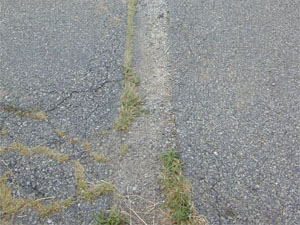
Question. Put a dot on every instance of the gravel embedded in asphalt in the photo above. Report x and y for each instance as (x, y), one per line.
(64, 60)
(237, 88)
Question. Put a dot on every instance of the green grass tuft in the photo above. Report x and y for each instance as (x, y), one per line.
(129, 109)
(176, 188)
(115, 217)
(130, 99)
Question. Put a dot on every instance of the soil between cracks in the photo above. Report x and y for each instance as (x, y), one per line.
(138, 172)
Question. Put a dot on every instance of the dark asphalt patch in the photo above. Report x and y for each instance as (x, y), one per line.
(237, 88)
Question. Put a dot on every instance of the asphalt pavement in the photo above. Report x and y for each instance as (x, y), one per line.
(235, 67)
(61, 77)
(236, 93)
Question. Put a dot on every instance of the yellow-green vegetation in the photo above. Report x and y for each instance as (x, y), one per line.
(98, 157)
(3, 132)
(123, 149)
(60, 133)
(129, 34)
(130, 99)
(35, 114)
(10, 206)
(83, 191)
(87, 146)
(178, 191)
(54, 207)
(115, 217)
(100, 189)
(79, 176)
(24, 150)
(74, 140)
(103, 133)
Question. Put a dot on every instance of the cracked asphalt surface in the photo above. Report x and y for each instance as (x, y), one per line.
(237, 88)
(235, 67)
(64, 59)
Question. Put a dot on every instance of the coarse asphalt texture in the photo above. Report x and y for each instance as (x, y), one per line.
(237, 100)
(62, 61)
(236, 86)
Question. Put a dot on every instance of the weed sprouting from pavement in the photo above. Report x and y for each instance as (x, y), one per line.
(3, 132)
(97, 156)
(115, 217)
(97, 190)
(35, 114)
(83, 191)
(11, 206)
(123, 149)
(79, 176)
(24, 150)
(178, 191)
(130, 99)
(176, 188)
(60, 133)
(54, 207)
(129, 109)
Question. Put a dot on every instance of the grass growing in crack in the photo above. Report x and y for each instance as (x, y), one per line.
(74, 140)
(129, 109)
(96, 191)
(82, 190)
(115, 217)
(3, 132)
(103, 133)
(129, 34)
(79, 176)
(123, 149)
(98, 157)
(130, 99)
(60, 133)
(176, 188)
(24, 150)
(35, 114)
(10, 206)
(54, 207)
